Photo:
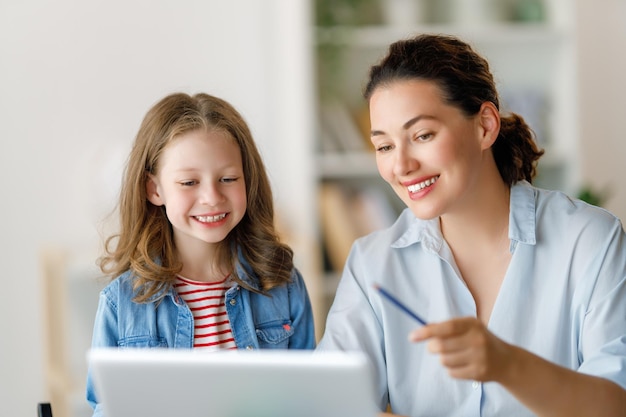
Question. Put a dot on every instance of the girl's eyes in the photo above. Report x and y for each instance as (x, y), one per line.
(383, 148)
(190, 183)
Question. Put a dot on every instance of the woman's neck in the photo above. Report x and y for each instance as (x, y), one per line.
(478, 237)
(484, 220)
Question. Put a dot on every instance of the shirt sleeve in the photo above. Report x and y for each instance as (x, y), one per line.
(603, 336)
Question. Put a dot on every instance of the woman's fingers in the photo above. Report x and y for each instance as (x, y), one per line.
(442, 329)
(465, 346)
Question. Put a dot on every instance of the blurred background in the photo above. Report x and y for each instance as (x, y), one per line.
(76, 78)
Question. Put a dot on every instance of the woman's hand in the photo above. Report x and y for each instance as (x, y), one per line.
(469, 351)
(466, 348)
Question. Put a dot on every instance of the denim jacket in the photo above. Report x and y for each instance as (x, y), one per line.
(282, 319)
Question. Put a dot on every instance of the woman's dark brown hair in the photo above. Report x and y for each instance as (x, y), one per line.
(145, 244)
(466, 81)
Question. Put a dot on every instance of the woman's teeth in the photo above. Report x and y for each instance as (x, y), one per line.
(420, 186)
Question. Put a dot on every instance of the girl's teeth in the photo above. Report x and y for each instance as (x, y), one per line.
(210, 219)
(420, 186)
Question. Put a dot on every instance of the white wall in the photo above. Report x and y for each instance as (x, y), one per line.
(77, 77)
(602, 69)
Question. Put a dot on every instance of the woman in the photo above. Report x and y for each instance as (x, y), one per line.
(523, 289)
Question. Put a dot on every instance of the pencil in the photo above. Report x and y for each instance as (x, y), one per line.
(398, 304)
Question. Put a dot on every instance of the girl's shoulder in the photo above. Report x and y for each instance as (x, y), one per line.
(121, 285)
(124, 288)
(296, 278)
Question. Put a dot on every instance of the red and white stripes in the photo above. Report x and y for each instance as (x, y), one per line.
(206, 300)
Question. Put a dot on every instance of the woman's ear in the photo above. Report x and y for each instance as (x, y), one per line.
(489, 118)
(152, 190)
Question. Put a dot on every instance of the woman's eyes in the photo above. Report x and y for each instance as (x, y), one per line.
(188, 183)
(422, 137)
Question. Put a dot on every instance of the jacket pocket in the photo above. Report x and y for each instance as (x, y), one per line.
(142, 342)
(274, 335)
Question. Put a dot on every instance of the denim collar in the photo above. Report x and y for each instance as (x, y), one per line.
(244, 272)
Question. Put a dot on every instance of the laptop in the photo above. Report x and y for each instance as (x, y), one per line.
(234, 383)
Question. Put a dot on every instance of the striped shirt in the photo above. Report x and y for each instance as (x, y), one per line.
(206, 300)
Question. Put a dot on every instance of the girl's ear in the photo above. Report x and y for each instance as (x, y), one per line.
(489, 124)
(152, 191)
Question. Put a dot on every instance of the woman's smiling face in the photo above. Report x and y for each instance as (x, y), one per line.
(428, 151)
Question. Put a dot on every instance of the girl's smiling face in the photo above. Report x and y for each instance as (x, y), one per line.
(200, 182)
(428, 151)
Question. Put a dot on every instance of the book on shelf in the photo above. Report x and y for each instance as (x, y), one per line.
(327, 143)
(340, 131)
(336, 222)
(372, 210)
(349, 212)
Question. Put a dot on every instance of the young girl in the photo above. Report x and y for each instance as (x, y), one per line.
(197, 262)
(523, 289)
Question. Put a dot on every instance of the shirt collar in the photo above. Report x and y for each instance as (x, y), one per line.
(522, 223)
(522, 216)
(425, 231)
(246, 275)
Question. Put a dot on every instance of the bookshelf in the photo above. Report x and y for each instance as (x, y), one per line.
(530, 45)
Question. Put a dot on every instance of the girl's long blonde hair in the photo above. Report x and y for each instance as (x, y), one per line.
(145, 245)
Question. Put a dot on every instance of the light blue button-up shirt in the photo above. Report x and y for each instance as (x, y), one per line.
(563, 298)
(280, 319)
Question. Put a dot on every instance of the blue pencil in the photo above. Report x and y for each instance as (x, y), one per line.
(398, 304)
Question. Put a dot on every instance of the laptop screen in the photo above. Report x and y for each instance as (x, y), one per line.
(235, 383)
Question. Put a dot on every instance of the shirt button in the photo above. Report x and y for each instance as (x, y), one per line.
(475, 384)
(233, 302)
(249, 347)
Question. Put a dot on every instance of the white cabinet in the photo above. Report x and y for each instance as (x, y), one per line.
(533, 62)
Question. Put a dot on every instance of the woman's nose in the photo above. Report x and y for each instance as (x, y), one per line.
(405, 162)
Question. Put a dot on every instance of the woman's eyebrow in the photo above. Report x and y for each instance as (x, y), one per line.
(406, 125)
(417, 119)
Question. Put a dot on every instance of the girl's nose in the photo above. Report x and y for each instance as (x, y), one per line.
(211, 194)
